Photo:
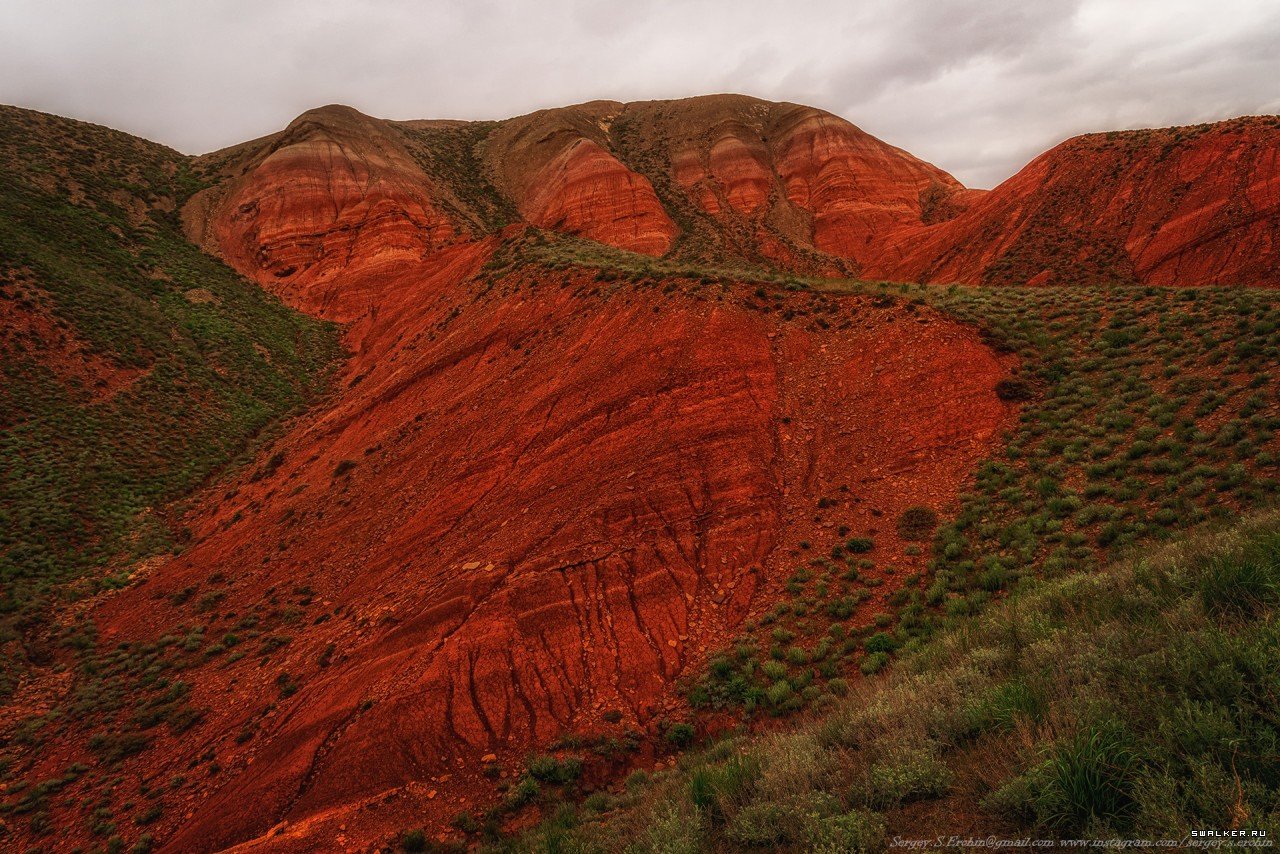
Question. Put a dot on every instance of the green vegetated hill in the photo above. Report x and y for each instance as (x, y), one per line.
(134, 365)
(1139, 702)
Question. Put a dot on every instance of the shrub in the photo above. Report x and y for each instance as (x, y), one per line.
(907, 774)
(1012, 389)
(779, 693)
(856, 832)
(413, 840)
(680, 735)
(917, 524)
(874, 663)
(881, 642)
(758, 825)
(549, 769)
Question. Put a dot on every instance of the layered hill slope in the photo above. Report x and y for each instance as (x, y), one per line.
(733, 181)
(1189, 206)
(586, 432)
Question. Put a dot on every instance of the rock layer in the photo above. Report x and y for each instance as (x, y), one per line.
(526, 512)
(1176, 206)
(556, 166)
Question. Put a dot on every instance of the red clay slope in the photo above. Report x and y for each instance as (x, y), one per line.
(726, 177)
(1175, 206)
(534, 501)
(556, 166)
(559, 503)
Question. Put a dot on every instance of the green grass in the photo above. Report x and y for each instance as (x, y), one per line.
(1123, 703)
(92, 247)
(1145, 412)
(198, 367)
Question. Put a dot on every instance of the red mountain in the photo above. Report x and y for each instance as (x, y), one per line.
(536, 499)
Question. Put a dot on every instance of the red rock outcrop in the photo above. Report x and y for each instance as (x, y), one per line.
(334, 190)
(530, 505)
(1174, 206)
(556, 166)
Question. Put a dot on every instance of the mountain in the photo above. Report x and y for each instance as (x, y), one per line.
(606, 410)
(1175, 206)
(731, 180)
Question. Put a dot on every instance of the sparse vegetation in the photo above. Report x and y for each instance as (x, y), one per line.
(1117, 704)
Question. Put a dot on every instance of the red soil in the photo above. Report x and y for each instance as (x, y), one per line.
(560, 502)
(534, 501)
(541, 498)
(1175, 206)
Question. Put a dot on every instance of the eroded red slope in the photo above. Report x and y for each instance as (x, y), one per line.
(1175, 206)
(557, 168)
(534, 500)
(558, 501)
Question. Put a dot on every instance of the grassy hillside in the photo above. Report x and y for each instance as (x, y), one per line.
(134, 365)
(1139, 702)
(1145, 412)
(1147, 415)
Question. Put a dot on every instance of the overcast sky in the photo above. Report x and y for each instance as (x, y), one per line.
(975, 86)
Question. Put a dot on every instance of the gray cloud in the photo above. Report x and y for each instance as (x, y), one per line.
(976, 86)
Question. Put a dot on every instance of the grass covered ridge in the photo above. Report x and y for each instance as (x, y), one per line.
(133, 364)
(1140, 702)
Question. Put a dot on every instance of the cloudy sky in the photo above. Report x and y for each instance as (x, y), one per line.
(976, 86)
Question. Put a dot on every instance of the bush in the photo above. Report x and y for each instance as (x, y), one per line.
(1013, 389)
(906, 775)
(874, 663)
(759, 825)
(881, 642)
(680, 735)
(413, 840)
(549, 769)
(856, 832)
(917, 524)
